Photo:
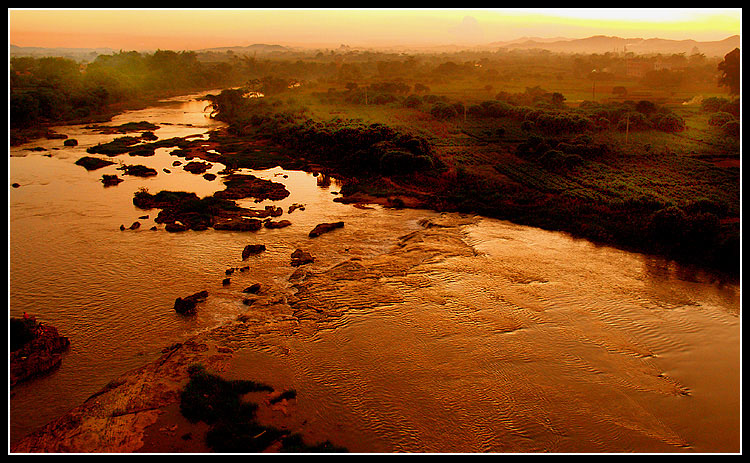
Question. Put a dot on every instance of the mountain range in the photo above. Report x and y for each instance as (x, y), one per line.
(595, 44)
(639, 46)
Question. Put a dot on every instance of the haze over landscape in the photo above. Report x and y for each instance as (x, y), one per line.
(179, 29)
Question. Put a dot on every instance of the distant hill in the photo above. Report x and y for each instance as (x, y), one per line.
(78, 54)
(89, 54)
(249, 49)
(639, 46)
(594, 44)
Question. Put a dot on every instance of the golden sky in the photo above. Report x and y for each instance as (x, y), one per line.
(185, 29)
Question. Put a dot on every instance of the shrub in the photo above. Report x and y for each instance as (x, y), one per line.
(667, 225)
(645, 107)
(731, 128)
(403, 162)
(713, 104)
(209, 398)
(669, 122)
(443, 111)
(718, 119)
(412, 101)
(21, 332)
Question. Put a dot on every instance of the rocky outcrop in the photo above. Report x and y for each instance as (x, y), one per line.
(239, 186)
(111, 180)
(138, 170)
(294, 207)
(187, 305)
(197, 167)
(252, 289)
(115, 419)
(40, 353)
(92, 163)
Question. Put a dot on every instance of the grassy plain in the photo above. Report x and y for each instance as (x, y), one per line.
(612, 197)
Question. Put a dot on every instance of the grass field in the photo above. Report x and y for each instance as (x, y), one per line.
(613, 196)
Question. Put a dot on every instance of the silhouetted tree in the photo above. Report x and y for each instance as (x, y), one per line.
(730, 72)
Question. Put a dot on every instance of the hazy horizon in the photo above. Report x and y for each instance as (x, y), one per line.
(193, 29)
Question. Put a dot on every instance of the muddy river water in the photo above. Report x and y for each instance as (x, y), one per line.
(524, 341)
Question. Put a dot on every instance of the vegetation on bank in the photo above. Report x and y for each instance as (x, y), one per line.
(56, 90)
(637, 174)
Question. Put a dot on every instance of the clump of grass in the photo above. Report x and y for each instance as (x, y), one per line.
(234, 429)
(209, 398)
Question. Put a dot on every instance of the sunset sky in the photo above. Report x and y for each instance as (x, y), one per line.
(186, 29)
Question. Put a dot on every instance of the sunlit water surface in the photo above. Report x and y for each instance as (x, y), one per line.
(541, 342)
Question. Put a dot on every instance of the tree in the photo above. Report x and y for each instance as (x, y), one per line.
(730, 72)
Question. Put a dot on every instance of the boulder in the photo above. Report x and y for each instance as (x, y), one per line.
(92, 163)
(325, 228)
(279, 224)
(300, 257)
(111, 180)
(36, 348)
(187, 305)
(294, 207)
(251, 249)
(252, 289)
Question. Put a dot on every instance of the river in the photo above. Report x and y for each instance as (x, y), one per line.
(532, 342)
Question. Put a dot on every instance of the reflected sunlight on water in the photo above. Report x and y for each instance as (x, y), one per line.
(534, 341)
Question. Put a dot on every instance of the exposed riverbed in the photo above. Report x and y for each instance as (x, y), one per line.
(451, 334)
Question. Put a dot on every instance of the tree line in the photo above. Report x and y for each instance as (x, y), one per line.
(52, 89)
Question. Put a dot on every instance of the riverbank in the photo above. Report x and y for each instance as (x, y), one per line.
(658, 193)
(44, 129)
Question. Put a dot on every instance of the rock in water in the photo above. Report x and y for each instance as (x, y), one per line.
(325, 228)
(278, 224)
(187, 305)
(252, 249)
(252, 289)
(36, 349)
(300, 257)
